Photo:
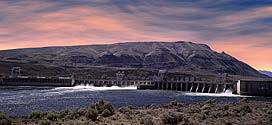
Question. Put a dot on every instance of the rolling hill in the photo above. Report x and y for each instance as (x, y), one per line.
(178, 56)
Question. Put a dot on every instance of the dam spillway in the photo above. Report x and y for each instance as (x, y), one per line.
(189, 86)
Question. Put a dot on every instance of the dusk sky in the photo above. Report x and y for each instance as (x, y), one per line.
(241, 28)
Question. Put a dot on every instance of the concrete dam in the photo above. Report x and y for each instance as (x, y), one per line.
(243, 87)
(185, 83)
(188, 86)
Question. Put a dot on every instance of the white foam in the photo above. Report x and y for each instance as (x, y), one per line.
(228, 93)
(93, 88)
(80, 88)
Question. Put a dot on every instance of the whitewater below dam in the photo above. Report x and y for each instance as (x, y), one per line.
(23, 100)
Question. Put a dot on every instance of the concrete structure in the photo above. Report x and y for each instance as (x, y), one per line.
(120, 80)
(66, 82)
(36, 82)
(254, 87)
(188, 84)
(164, 81)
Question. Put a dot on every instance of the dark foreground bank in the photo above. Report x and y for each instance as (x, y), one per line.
(242, 112)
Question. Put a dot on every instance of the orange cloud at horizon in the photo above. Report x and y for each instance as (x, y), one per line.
(255, 56)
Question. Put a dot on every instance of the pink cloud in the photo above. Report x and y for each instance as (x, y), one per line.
(81, 25)
(256, 56)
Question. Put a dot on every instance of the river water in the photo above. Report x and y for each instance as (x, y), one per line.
(23, 100)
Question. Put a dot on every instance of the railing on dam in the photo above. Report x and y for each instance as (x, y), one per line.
(106, 82)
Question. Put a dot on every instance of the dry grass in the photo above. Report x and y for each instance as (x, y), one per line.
(174, 113)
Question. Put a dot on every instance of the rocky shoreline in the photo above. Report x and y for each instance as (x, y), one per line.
(103, 113)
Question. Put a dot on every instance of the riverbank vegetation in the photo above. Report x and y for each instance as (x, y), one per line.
(173, 113)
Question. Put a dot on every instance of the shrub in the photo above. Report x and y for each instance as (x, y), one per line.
(205, 107)
(44, 122)
(106, 113)
(173, 103)
(190, 110)
(125, 110)
(226, 107)
(147, 121)
(130, 107)
(91, 114)
(36, 115)
(170, 118)
(4, 119)
(210, 101)
(109, 107)
(70, 114)
(64, 114)
(246, 109)
(101, 106)
(53, 116)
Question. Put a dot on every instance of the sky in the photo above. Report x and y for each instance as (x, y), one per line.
(241, 28)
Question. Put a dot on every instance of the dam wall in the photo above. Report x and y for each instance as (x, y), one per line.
(254, 87)
(189, 86)
(70, 82)
(36, 82)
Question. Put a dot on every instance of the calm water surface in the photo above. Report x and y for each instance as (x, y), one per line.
(23, 100)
